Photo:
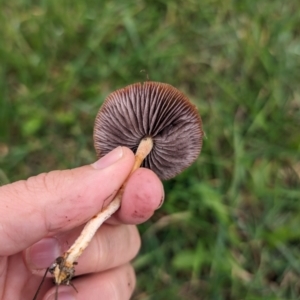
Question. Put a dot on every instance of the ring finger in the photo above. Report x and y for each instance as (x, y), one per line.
(115, 284)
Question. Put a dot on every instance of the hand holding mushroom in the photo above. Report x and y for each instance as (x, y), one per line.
(45, 212)
(164, 130)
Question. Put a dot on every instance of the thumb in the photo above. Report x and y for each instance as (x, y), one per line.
(58, 201)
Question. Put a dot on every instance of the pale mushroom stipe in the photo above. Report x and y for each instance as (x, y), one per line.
(164, 130)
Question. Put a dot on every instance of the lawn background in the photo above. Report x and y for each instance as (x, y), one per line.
(230, 225)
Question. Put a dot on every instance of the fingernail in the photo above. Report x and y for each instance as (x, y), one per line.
(162, 196)
(108, 159)
(43, 253)
(161, 202)
(62, 296)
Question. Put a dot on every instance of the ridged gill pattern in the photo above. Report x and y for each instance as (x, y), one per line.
(151, 109)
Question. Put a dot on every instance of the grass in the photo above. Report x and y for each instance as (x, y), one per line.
(229, 228)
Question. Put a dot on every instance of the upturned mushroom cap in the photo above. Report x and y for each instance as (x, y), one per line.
(151, 109)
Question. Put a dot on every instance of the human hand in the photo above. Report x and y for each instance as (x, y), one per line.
(42, 216)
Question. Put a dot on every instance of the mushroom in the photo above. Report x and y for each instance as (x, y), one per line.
(156, 111)
(159, 124)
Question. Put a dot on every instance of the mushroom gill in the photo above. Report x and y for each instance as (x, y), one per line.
(156, 110)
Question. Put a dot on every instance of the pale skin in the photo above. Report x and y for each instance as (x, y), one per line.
(43, 215)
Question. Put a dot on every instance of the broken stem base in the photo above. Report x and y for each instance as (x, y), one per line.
(63, 269)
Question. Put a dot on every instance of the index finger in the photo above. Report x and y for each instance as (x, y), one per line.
(143, 194)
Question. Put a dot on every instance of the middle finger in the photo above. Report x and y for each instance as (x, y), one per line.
(111, 246)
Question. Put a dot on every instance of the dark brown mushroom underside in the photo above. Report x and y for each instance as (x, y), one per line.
(151, 109)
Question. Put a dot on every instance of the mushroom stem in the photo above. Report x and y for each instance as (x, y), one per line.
(63, 267)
